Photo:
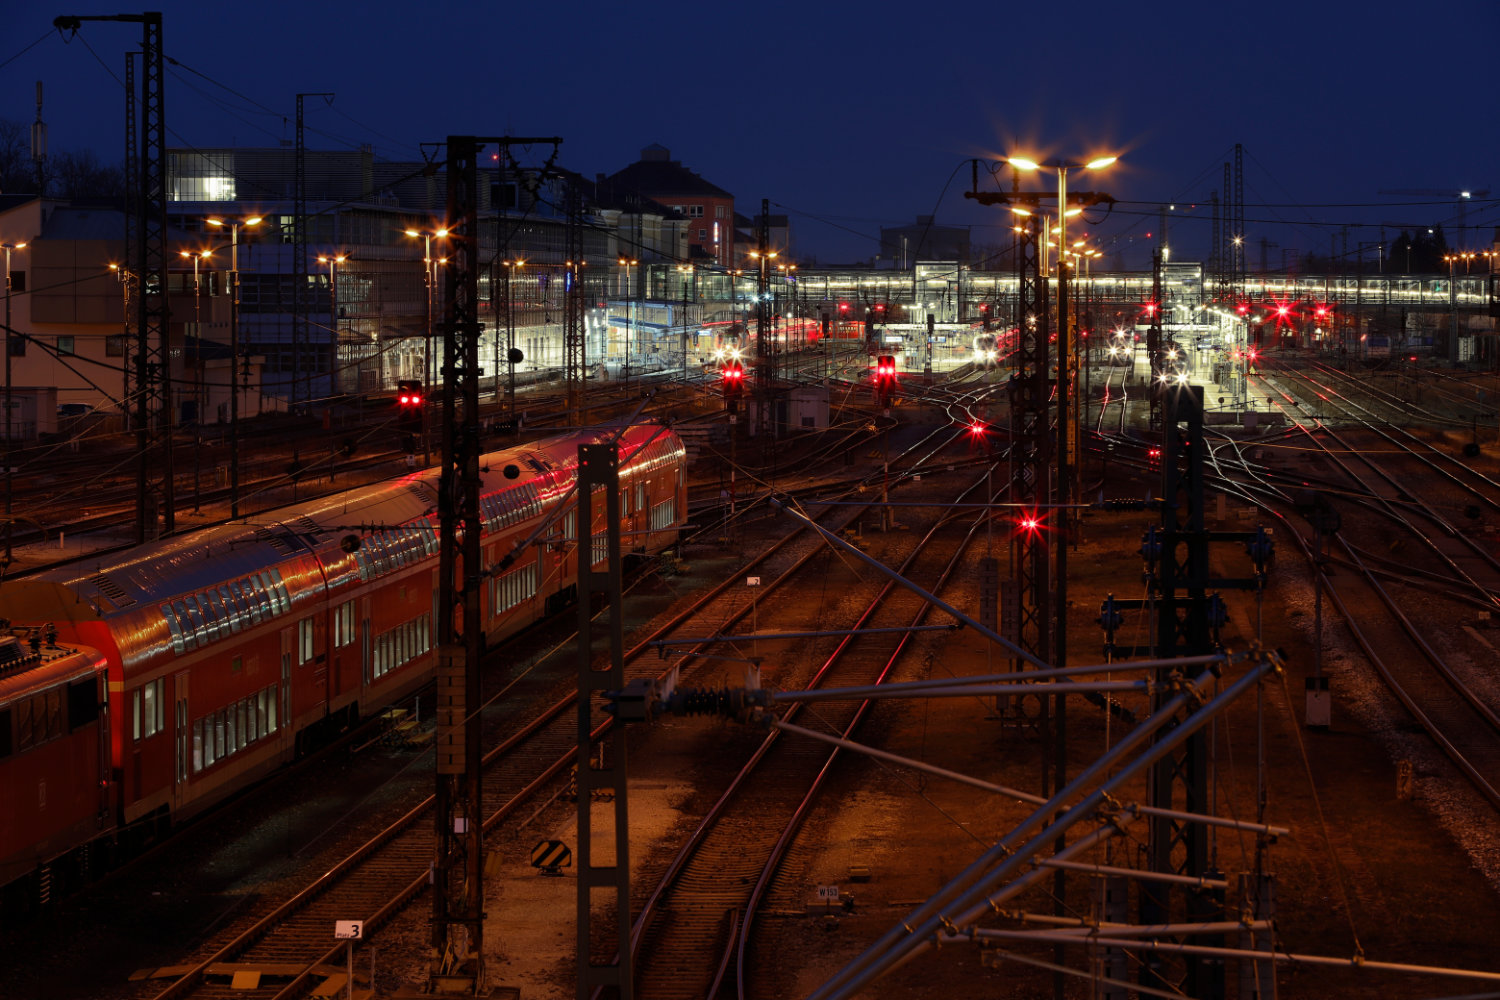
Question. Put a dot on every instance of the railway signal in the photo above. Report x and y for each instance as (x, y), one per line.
(732, 381)
(885, 378)
(409, 411)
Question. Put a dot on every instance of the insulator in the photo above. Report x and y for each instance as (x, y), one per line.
(1260, 549)
(1151, 545)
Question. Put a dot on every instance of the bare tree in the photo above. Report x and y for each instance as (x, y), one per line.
(16, 171)
(81, 175)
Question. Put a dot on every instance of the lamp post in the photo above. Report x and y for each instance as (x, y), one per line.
(683, 269)
(234, 356)
(1067, 431)
(197, 258)
(333, 261)
(429, 272)
(1067, 342)
(512, 269)
(9, 340)
(628, 263)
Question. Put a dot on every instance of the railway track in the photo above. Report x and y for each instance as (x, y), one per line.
(696, 930)
(517, 769)
(1389, 484)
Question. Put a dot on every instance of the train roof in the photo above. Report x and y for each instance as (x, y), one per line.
(26, 668)
(145, 575)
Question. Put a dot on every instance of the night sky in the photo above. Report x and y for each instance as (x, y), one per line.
(848, 117)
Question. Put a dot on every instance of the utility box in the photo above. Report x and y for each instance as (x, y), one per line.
(809, 408)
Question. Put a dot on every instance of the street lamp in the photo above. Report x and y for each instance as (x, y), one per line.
(234, 355)
(197, 258)
(333, 261)
(429, 271)
(9, 342)
(512, 268)
(1067, 423)
(628, 263)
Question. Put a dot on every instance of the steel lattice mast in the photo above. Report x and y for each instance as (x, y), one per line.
(153, 350)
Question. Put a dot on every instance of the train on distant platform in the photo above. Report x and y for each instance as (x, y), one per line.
(722, 341)
(990, 348)
(155, 682)
(1121, 350)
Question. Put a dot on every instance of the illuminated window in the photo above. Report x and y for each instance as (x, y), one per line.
(343, 624)
(304, 641)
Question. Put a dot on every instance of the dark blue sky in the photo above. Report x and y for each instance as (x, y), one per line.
(848, 116)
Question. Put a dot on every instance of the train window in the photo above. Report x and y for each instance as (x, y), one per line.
(271, 708)
(640, 495)
(25, 735)
(343, 624)
(212, 616)
(83, 703)
(280, 589)
(253, 601)
(570, 525)
(600, 547)
(50, 712)
(423, 632)
(304, 641)
(231, 610)
(173, 627)
(179, 612)
(229, 732)
(230, 596)
(362, 560)
(664, 514)
(432, 538)
(240, 725)
(148, 709)
(195, 615)
(263, 595)
(198, 746)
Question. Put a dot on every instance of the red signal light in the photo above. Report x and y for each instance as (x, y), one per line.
(976, 428)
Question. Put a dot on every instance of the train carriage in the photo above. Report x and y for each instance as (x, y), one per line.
(54, 761)
(232, 648)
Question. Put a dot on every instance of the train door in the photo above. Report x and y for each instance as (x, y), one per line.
(364, 640)
(288, 720)
(183, 738)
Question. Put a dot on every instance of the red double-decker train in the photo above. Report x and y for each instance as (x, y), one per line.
(229, 650)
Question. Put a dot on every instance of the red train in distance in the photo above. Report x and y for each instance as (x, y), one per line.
(230, 650)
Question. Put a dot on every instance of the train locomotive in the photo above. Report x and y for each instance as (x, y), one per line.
(218, 656)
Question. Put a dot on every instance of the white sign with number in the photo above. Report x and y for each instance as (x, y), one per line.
(752, 581)
(828, 893)
(352, 930)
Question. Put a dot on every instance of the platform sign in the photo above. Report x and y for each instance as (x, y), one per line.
(752, 581)
(348, 930)
(828, 894)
